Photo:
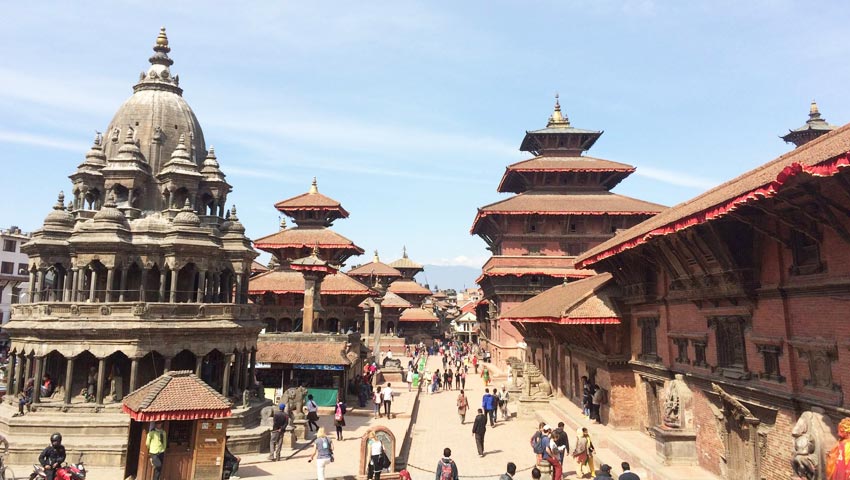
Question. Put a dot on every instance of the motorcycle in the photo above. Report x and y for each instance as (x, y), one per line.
(69, 471)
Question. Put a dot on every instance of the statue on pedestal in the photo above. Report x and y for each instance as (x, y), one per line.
(672, 404)
(813, 438)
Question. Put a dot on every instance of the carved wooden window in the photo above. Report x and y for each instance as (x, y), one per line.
(648, 339)
(820, 361)
(770, 355)
(699, 353)
(806, 254)
(681, 350)
(731, 349)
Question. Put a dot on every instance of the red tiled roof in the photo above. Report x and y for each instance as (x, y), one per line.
(306, 237)
(519, 266)
(311, 201)
(585, 203)
(290, 281)
(582, 302)
(391, 300)
(822, 157)
(258, 267)
(408, 287)
(176, 395)
(417, 315)
(564, 164)
(312, 353)
(378, 269)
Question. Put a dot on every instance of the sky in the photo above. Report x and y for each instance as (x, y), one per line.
(408, 112)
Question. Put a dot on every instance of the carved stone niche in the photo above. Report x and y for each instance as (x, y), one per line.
(675, 438)
(813, 439)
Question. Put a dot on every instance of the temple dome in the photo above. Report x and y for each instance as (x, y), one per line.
(59, 217)
(158, 112)
(187, 217)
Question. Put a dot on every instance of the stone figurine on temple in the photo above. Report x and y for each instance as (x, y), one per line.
(813, 438)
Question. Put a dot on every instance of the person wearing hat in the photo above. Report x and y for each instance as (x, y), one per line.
(550, 452)
(279, 423)
(604, 472)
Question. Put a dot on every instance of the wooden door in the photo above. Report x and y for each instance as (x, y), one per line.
(179, 450)
(145, 471)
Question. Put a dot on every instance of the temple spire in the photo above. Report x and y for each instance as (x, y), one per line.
(376, 259)
(557, 117)
(404, 251)
(314, 187)
(814, 112)
(161, 49)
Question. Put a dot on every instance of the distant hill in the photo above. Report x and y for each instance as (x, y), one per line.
(449, 276)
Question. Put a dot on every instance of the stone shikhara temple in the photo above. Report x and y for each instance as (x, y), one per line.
(140, 273)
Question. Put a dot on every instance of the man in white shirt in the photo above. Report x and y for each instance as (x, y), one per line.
(387, 394)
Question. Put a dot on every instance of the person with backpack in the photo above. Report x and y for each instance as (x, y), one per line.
(376, 448)
(550, 452)
(339, 417)
(323, 452)
(446, 467)
(537, 442)
(479, 428)
(488, 403)
(462, 406)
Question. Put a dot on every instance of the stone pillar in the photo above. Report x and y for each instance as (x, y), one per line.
(252, 368)
(172, 296)
(69, 377)
(202, 276)
(80, 285)
(225, 384)
(134, 373)
(101, 376)
(143, 285)
(92, 290)
(216, 281)
(39, 285)
(246, 381)
(20, 380)
(162, 279)
(237, 378)
(28, 369)
(238, 295)
(376, 347)
(167, 365)
(312, 284)
(36, 392)
(199, 362)
(122, 286)
(365, 336)
(10, 374)
(110, 277)
(70, 278)
(31, 289)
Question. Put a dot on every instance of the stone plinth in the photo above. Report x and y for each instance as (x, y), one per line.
(300, 428)
(545, 469)
(528, 406)
(675, 447)
(393, 375)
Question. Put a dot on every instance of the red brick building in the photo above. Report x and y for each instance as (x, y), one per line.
(737, 301)
(562, 206)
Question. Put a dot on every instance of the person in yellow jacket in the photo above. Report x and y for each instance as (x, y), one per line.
(156, 442)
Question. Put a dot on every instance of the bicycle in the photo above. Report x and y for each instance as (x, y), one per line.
(6, 473)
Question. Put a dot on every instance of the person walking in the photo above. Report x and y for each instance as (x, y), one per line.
(627, 472)
(504, 398)
(485, 374)
(561, 440)
(479, 428)
(604, 473)
(510, 472)
(279, 423)
(339, 417)
(376, 399)
(596, 403)
(323, 452)
(550, 453)
(376, 448)
(462, 407)
(463, 378)
(457, 376)
(409, 378)
(312, 414)
(475, 363)
(446, 467)
(488, 403)
(156, 442)
(583, 451)
(387, 395)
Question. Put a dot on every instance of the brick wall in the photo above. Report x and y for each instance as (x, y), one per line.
(710, 448)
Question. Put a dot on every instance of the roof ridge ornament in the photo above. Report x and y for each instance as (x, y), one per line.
(557, 117)
(60, 201)
(158, 76)
(314, 187)
(814, 112)
(404, 251)
(376, 259)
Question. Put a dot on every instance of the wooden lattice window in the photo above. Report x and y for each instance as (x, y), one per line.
(649, 339)
(770, 355)
(731, 347)
(681, 350)
(806, 254)
(699, 353)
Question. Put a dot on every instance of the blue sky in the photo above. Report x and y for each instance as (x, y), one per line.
(408, 112)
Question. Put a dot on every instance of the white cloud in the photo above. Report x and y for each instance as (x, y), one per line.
(45, 141)
(460, 260)
(675, 178)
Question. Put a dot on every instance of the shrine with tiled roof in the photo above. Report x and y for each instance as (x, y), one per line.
(561, 207)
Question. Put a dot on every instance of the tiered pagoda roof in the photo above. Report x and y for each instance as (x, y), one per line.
(416, 314)
(406, 266)
(375, 269)
(289, 281)
(522, 265)
(312, 207)
(585, 302)
(815, 127)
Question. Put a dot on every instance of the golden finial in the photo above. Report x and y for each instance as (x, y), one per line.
(557, 117)
(314, 187)
(376, 259)
(162, 39)
(282, 223)
(813, 108)
(316, 250)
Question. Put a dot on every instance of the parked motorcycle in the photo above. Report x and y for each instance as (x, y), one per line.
(69, 471)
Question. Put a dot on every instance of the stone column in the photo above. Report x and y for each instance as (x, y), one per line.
(19, 381)
(101, 376)
(311, 287)
(172, 296)
(143, 285)
(167, 365)
(110, 277)
(31, 288)
(238, 297)
(80, 285)
(92, 290)
(69, 377)
(10, 374)
(376, 347)
(246, 381)
(28, 369)
(39, 285)
(216, 279)
(365, 335)
(199, 362)
(202, 276)
(237, 378)
(123, 283)
(162, 279)
(70, 277)
(252, 368)
(36, 392)
(134, 373)
(225, 384)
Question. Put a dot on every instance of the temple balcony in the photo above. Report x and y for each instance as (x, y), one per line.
(112, 311)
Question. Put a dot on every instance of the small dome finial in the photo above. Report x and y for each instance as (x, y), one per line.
(130, 137)
(187, 205)
(376, 259)
(162, 39)
(314, 187)
(315, 252)
(233, 213)
(283, 223)
(557, 102)
(60, 201)
(814, 111)
(557, 117)
(404, 251)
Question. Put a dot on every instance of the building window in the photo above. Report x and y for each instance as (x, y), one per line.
(699, 353)
(16, 295)
(820, 366)
(534, 280)
(7, 268)
(770, 354)
(648, 339)
(9, 245)
(731, 349)
(22, 269)
(681, 350)
(806, 254)
(533, 250)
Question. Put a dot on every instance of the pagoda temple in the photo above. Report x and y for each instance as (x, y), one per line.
(563, 205)
(310, 309)
(815, 127)
(138, 275)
